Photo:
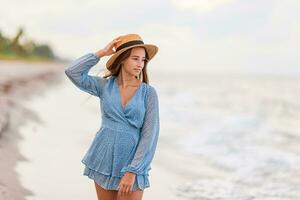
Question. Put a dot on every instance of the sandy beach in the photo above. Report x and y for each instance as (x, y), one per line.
(19, 80)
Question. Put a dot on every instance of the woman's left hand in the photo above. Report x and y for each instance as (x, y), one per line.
(126, 183)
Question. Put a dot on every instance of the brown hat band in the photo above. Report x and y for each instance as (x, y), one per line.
(131, 43)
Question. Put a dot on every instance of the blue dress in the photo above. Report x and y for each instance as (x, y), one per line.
(127, 138)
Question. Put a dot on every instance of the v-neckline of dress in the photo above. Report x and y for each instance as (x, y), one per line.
(119, 95)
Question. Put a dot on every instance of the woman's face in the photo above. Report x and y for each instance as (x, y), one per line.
(134, 64)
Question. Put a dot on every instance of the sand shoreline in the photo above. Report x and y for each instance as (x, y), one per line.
(19, 80)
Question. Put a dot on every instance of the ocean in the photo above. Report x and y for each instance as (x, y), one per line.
(244, 127)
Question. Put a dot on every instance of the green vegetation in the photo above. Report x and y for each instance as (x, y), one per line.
(22, 48)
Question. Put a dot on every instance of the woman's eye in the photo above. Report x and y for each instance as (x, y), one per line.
(137, 59)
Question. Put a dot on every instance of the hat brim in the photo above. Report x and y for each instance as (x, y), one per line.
(150, 48)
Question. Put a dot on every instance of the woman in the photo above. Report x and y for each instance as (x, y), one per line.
(119, 157)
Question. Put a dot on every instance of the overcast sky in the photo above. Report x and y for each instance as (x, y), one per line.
(259, 36)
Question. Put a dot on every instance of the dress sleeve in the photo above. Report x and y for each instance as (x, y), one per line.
(144, 154)
(77, 72)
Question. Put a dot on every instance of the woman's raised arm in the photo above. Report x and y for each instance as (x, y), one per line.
(78, 70)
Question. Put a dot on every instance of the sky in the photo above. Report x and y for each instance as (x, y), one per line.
(211, 36)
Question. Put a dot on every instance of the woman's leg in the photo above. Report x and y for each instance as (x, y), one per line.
(136, 195)
(104, 194)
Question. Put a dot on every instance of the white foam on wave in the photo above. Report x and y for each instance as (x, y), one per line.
(243, 127)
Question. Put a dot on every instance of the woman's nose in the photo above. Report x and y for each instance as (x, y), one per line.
(140, 63)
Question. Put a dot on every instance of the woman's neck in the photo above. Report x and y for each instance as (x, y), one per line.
(127, 80)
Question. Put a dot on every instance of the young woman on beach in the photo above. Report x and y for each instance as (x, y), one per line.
(119, 157)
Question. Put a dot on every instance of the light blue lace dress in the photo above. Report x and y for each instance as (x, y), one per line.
(127, 138)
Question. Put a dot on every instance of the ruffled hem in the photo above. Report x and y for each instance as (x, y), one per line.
(111, 182)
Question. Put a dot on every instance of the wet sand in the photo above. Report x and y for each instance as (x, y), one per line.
(18, 81)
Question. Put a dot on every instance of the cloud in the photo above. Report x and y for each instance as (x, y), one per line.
(215, 36)
(200, 6)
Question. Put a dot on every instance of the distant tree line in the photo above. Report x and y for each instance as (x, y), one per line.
(20, 47)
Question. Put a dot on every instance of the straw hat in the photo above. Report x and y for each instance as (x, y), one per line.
(129, 41)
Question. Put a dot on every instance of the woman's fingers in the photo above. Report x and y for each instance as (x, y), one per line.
(127, 189)
(116, 41)
(124, 189)
(113, 43)
(117, 38)
(110, 48)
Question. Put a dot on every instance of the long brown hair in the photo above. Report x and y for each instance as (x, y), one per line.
(115, 68)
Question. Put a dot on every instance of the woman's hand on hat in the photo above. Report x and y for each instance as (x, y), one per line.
(108, 49)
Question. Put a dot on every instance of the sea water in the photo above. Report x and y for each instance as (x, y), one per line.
(245, 126)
